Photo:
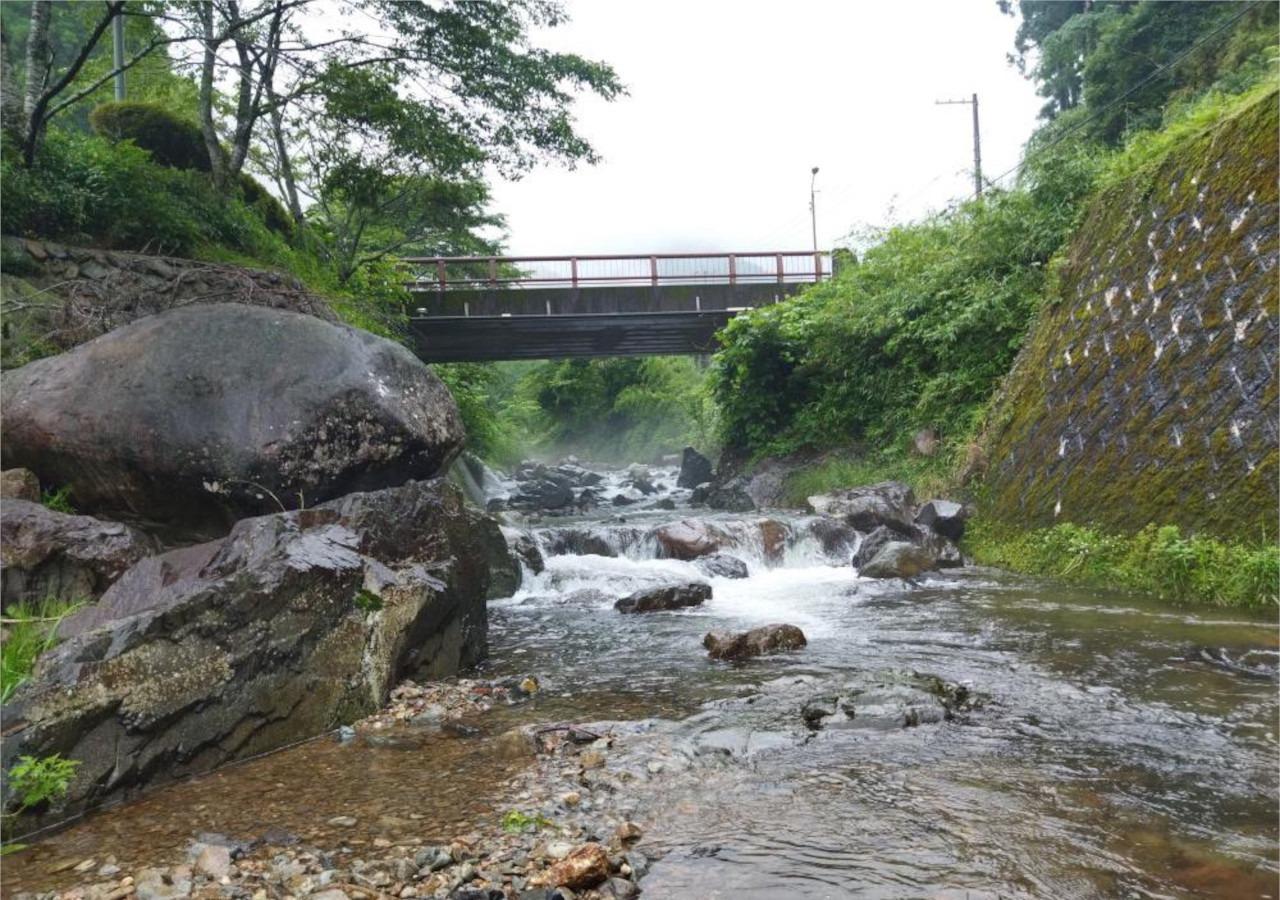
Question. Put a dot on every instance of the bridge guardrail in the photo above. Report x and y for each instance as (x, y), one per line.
(438, 274)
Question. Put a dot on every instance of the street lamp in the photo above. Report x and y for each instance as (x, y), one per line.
(813, 207)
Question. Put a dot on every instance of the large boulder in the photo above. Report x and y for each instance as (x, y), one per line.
(192, 419)
(662, 599)
(888, 503)
(766, 639)
(290, 625)
(899, 559)
(695, 469)
(51, 554)
(872, 544)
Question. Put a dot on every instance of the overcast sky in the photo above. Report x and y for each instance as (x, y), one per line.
(732, 103)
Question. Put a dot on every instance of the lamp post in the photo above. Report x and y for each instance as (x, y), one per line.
(813, 206)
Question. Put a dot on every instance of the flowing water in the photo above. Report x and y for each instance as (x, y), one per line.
(1099, 755)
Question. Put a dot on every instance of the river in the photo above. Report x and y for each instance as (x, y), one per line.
(1095, 755)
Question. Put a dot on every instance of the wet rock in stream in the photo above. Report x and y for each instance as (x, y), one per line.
(756, 642)
(670, 597)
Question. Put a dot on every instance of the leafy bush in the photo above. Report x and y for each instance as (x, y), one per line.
(85, 189)
(170, 139)
(32, 630)
(36, 780)
(59, 500)
(917, 334)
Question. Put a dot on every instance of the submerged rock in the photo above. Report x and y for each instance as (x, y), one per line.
(756, 642)
(291, 624)
(45, 554)
(187, 421)
(676, 596)
(695, 469)
(898, 559)
(865, 508)
(722, 565)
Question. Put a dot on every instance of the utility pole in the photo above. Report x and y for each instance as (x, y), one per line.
(117, 40)
(813, 206)
(977, 141)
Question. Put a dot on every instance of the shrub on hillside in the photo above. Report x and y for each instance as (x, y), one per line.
(171, 140)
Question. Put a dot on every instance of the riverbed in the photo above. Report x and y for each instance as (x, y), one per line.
(1096, 753)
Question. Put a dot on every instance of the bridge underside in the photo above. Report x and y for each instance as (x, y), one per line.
(487, 338)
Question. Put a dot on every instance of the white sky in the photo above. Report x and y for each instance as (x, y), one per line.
(731, 104)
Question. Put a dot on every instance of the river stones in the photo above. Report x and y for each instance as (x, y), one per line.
(888, 503)
(676, 596)
(184, 422)
(695, 469)
(945, 517)
(722, 565)
(587, 866)
(44, 553)
(898, 559)
(760, 641)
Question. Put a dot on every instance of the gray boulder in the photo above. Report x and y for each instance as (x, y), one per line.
(945, 517)
(675, 596)
(836, 538)
(525, 548)
(888, 503)
(51, 554)
(722, 565)
(766, 639)
(731, 496)
(695, 469)
(872, 544)
(187, 421)
(290, 625)
(898, 559)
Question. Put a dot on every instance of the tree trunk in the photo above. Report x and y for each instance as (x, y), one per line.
(217, 161)
(284, 165)
(37, 76)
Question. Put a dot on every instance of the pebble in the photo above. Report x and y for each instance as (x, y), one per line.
(591, 759)
(87, 866)
(571, 799)
(343, 821)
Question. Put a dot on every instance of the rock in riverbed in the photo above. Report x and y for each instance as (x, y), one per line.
(722, 565)
(676, 596)
(866, 508)
(756, 642)
(695, 469)
(290, 624)
(186, 421)
(44, 553)
(898, 559)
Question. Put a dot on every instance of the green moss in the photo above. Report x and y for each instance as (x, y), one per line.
(1160, 560)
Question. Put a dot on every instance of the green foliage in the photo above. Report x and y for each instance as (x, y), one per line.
(621, 409)
(36, 780)
(1121, 64)
(515, 821)
(367, 601)
(87, 189)
(1159, 560)
(916, 335)
(31, 631)
(170, 139)
(59, 500)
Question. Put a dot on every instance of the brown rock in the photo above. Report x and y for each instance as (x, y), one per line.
(688, 539)
(20, 484)
(584, 868)
(756, 642)
(51, 554)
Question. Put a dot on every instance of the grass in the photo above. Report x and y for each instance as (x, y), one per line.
(1158, 560)
(29, 631)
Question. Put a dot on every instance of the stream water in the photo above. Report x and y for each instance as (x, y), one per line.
(1099, 756)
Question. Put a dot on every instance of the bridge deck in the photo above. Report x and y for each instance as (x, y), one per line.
(503, 308)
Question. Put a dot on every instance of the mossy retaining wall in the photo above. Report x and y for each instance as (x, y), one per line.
(1147, 391)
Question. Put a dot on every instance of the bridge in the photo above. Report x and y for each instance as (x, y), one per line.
(475, 308)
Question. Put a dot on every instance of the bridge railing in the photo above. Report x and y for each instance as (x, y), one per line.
(474, 273)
